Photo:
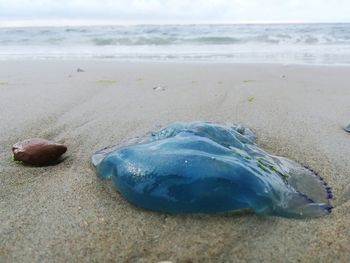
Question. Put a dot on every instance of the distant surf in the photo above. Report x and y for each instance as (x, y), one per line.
(241, 43)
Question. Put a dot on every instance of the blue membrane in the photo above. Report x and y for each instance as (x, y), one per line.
(202, 167)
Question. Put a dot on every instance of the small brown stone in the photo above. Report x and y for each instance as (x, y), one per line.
(38, 151)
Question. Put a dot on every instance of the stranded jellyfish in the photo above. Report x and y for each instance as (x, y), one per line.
(202, 167)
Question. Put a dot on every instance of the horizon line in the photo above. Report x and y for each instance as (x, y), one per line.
(84, 22)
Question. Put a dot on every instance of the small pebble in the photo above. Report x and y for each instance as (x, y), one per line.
(38, 151)
(159, 88)
(347, 128)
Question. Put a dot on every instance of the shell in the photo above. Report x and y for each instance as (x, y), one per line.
(203, 167)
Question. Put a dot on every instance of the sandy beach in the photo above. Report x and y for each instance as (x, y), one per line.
(64, 213)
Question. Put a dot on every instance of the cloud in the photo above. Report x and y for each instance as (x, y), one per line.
(178, 10)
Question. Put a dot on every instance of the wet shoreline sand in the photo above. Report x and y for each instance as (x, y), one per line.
(65, 213)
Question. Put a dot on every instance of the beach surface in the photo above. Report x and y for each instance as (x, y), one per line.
(64, 213)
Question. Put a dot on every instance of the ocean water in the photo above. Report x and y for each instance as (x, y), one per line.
(237, 43)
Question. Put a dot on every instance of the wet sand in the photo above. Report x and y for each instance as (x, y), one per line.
(65, 213)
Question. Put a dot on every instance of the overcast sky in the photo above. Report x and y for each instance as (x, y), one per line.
(174, 11)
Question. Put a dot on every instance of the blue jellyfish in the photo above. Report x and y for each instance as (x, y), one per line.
(202, 167)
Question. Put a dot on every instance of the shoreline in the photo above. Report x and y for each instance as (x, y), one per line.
(189, 62)
(65, 212)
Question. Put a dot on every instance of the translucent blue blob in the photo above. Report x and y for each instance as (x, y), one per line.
(203, 167)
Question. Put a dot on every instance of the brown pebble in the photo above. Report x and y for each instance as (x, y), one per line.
(38, 151)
